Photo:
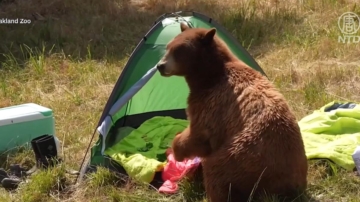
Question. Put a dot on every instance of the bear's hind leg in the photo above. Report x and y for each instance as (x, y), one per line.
(218, 192)
(215, 193)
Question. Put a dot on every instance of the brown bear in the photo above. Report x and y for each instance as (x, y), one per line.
(240, 125)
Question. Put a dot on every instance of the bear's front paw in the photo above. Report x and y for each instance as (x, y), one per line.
(178, 157)
(177, 151)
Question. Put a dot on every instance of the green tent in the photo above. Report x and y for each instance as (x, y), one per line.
(141, 93)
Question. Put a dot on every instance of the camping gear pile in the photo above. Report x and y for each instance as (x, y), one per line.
(19, 125)
(45, 148)
(144, 151)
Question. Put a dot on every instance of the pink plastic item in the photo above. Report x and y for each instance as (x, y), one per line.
(175, 171)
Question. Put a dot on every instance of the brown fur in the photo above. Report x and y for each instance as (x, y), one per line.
(240, 125)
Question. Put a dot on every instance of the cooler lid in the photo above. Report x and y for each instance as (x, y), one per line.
(23, 113)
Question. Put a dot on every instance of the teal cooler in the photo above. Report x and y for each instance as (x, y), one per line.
(22, 123)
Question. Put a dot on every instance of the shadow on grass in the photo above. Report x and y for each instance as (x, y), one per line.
(110, 29)
(75, 28)
(193, 190)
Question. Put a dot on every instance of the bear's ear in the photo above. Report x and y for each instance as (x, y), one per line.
(183, 26)
(209, 36)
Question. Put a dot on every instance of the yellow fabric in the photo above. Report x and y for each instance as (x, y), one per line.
(332, 134)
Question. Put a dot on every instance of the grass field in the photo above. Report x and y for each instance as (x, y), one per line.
(71, 54)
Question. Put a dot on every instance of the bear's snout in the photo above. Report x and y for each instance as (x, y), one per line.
(160, 67)
(164, 69)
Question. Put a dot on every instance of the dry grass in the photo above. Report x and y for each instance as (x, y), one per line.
(87, 44)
